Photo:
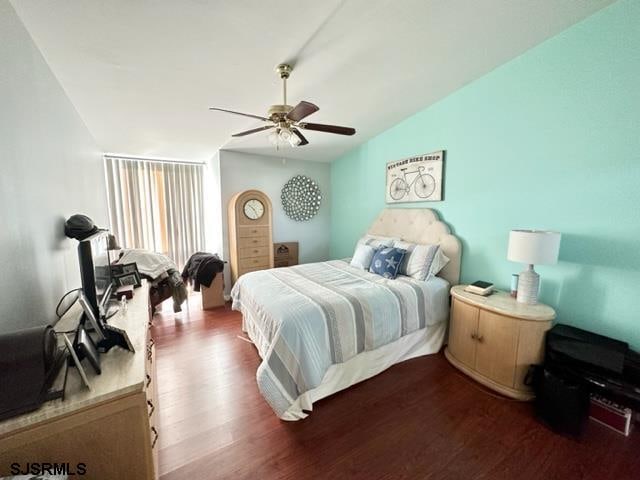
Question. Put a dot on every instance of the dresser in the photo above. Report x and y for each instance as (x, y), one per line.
(495, 339)
(250, 233)
(112, 428)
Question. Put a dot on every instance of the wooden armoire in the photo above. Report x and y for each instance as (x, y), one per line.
(250, 233)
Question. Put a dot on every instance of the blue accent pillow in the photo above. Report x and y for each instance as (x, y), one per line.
(387, 261)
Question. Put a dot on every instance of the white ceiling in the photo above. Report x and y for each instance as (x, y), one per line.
(143, 72)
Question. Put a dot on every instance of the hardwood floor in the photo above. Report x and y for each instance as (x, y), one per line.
(419, 419)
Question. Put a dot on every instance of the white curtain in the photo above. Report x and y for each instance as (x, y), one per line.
(156, 205)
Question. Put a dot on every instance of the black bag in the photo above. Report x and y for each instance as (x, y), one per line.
(561, 404)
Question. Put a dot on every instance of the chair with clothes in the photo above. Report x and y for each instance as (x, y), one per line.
(205, 270)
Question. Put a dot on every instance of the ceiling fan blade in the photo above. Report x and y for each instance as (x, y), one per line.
(240, 113)
(254, 130)
(298, 133)
(319, 127)
(302, 110)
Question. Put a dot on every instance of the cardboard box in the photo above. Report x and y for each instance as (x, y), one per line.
(213, 296)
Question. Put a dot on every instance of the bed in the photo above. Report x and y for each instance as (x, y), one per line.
(322, 327)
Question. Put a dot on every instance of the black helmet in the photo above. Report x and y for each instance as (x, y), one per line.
(79, 227)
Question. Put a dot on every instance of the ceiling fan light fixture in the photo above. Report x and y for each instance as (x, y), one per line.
(294, 141)
(274, 138)
(283, 136)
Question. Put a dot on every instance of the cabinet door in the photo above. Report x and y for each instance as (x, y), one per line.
(463, 327)
(530, 349)
(497, 347)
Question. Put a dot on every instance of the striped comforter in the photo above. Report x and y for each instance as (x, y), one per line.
(311, 316)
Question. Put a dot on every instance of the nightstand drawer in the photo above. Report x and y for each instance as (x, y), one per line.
(242, 271)
(258, 231)
(254, 262)
(249, 242)
(254, 252)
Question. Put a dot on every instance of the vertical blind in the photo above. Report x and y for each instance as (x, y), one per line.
(156, 206)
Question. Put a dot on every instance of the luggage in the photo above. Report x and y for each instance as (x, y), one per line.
(579, 363)
(600, 364)
(561, 404)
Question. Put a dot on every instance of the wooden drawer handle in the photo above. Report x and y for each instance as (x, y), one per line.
(255, 241)
(473, 336)
(152, 408)
(480, 339)
(256, 251)
(148, 380)
(155, 438)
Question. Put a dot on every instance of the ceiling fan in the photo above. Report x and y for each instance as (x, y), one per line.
(286, 120)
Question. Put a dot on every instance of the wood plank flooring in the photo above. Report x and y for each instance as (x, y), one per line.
(419, 419)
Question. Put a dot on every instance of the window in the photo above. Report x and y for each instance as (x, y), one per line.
(156, 205)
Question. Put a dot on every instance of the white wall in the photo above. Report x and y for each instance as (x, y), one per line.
(212, 206)
(241, 171)
(50, 168)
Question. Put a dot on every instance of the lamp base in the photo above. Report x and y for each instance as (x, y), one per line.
(528, 285)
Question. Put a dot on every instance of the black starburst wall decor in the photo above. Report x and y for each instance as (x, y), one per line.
(301, 198)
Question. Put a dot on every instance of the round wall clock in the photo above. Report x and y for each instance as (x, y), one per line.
(301, 198)
(253, 209)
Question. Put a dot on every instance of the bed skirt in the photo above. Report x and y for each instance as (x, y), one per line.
(365, 365)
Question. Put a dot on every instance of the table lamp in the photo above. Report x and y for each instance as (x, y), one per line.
(533, 247)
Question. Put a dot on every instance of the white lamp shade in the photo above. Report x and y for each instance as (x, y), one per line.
(534, 247)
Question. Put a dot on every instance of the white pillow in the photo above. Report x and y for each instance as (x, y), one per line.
(377, 241)
(419, 263)
(362, 256)
(439, 262)
(409, 248)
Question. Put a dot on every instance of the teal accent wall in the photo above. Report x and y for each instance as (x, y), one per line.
(550, 140)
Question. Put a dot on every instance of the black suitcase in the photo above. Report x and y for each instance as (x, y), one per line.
(560, 403)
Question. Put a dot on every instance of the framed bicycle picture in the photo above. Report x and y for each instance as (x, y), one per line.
(415, 179)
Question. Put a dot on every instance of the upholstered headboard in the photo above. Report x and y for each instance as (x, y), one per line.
(421, 225)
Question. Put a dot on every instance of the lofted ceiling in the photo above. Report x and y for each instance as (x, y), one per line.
(142, 73)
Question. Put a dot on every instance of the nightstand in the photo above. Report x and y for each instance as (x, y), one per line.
(495, 339)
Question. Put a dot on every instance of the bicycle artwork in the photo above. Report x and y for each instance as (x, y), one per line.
(415, 179)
